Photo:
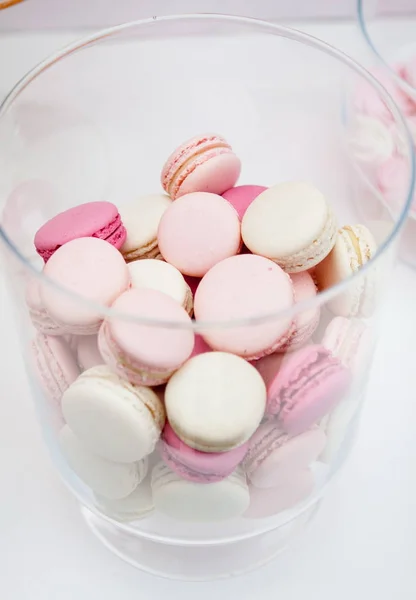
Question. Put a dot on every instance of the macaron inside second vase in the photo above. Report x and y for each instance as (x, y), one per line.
(198, 231)
(136, 347)
(244, 287)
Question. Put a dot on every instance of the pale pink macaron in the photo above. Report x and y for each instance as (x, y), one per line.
(205, 163)
(274, 455)
(408, 72)
(39, 316)
(197, 231)
(94, 219)
(307, 321)
(55, 369)
(393, 180)
(245, 287)
(242, 196)
(367, 100)
(94, 272)
(193, 465)
(269, 502)
(308, 385)
(146, 354)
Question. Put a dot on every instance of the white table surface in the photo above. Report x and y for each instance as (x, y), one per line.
(361, 545)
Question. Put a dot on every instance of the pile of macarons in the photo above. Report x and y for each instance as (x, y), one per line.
(177, 371)
(375, 140)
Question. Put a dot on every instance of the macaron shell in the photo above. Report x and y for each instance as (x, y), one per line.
(215, 402)
(192, 502)
(150, 347)
(96, 219)
(198, 231)
(227, 293)
(215, 172)
(112, 418)
(290, 223)
(241, 196)
(40, 318)
(306, 322)
(109, 479)
(141, 219)
(268, 502)
(309, 384)
(93, 270)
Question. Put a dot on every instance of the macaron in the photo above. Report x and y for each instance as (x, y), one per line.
(141, 219)
(188, 501)
(215, 402)
(274, 455)
(292, 224)
(109, 479)
(112, 418)
(241, 196)
(134, 507)
(201, 467)
(350, 340)
(38, 314)
(272, 501)
(370, 140)
(56, 366)
(354, 247)
(245, 287)
(305, 322)
(198, 231)
(95, 219)
(87, 352)
(93, 270)
(160, 275)
(367, 100)
(308, 385)
(205, 163)
(409, 73)
(146, 354)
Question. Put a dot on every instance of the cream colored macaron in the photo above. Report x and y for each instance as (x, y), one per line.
(354, 247)
(160, 275)
(215, 402)
(141, 219)
(292, 224)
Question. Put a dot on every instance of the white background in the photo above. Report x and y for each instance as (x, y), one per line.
(363, 542)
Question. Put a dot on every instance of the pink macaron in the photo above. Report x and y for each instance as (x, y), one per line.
(269, 502)
(241, 288)
(146, 354)
(242, 196)
(197, 231)
(38, 314)
(94, 219)
(368, 101)
(306, 322)
(205, 163)
(56, 369)
(393, 180)
(193, 465)
(90, 274)
(87, 352)
(274, 455)
(308, 385)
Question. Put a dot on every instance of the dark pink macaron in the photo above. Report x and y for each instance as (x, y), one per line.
(242, 196)
(94, 219)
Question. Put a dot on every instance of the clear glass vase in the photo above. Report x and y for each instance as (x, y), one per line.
(391, 56)
(96, 122)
